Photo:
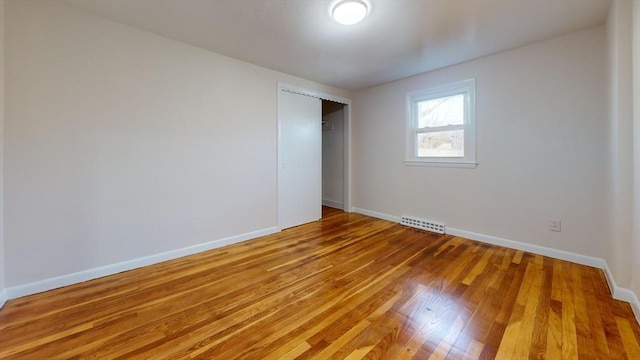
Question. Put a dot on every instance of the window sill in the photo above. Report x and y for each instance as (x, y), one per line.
(450, 164)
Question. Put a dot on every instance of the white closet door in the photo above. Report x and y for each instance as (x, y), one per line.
(300, 159)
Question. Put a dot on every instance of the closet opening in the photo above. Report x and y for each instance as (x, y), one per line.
(333, 157)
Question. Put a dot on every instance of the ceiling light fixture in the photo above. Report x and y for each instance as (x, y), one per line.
(349, 12)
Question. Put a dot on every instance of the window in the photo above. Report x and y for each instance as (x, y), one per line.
(441, 126)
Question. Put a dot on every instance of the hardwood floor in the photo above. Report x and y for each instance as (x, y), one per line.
(346, 287)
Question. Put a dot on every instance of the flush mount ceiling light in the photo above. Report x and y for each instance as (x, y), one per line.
(349, 12)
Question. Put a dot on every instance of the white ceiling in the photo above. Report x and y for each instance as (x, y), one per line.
(399, 38)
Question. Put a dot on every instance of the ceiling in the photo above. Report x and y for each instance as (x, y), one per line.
(398, 39)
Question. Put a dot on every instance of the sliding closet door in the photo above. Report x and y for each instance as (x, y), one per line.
(300, 159)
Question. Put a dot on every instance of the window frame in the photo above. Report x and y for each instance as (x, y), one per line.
(467, 88)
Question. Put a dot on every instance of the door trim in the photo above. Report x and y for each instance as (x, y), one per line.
(347, 139)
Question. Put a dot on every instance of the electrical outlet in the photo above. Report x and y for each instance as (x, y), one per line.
(555, 225)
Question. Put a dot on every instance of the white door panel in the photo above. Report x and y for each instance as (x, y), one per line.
(300, 159)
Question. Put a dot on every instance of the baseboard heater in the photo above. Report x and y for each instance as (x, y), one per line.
(428, 225)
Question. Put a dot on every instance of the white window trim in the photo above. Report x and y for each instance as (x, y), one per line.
(469, 160)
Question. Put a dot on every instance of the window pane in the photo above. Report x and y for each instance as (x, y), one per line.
(448, 110)
(441, 144)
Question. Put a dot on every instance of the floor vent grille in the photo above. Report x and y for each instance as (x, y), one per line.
(423, 224)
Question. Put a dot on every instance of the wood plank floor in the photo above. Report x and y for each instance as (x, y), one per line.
(346, 287)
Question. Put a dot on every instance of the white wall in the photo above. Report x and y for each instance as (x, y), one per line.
(542, 148)
(620, 105)
(333, 159)
(120, 144)
(3, 297)
(635, 255)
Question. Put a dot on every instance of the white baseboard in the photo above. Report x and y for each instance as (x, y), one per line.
(534, 249)
(3, 297)
(376, 214)
(623, 294)
(618, 293)
(85, 275)
(333, 204)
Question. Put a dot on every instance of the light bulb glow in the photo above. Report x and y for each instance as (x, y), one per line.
(349, 12)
